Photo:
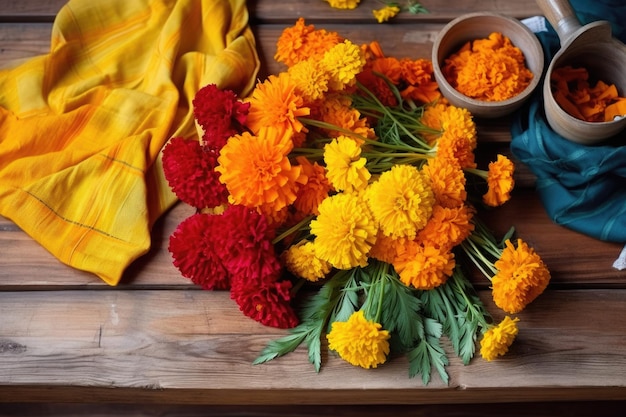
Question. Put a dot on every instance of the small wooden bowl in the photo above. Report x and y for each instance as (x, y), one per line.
(591, 47)
(474, 26)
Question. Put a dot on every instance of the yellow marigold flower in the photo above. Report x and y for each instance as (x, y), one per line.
(447, 227)
(447, 180)
(316, 189)
(276, 103)
(522, 276)
(344, 231)
(386, 13)
(257, 172)
(337, 110)
(424, 267)
(496, 340)
(401, 201)
(500, 181)
(310, 79)
(345, 168)
(301, 42)
(301, 261)
(359, 341)
(343, 4)
(342, 63)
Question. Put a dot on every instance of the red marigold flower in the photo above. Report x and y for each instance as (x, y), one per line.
(244, 243)
(192, 246)
(189, 171)
(267, 303)
(220, 114)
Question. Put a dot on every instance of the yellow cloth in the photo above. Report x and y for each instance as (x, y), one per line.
(82, 127)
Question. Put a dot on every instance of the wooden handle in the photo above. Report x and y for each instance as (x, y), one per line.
(561, 16)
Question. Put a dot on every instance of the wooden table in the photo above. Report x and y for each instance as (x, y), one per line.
(66, 337)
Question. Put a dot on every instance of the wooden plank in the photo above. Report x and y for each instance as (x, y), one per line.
(315, 10)
(543, 409)
(195, 347)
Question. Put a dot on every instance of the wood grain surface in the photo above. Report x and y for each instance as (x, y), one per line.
(66, 337)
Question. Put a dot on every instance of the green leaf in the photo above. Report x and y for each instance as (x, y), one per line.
(315, 314)
(461, 312)
(416, 8)
(284, 345)
(428, 354)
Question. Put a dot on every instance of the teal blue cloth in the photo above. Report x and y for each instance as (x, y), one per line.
(581, 187)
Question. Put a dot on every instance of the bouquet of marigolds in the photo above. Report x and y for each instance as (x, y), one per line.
(349, 171)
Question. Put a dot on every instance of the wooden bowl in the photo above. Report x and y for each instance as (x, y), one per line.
(591, 47)
(474, 26)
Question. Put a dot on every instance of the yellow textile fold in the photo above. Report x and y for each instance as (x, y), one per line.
(82, 127)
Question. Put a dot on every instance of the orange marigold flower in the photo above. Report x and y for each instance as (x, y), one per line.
(276, 103)
(447, 227)
(387, 248)
(424, 267)
(316, 189)
(522, 276)
(257, 171)
(458, 139)
(500, 181)
(337, 110)
(490, 69)
(301, 42)
(447, 181)
(497, 339)
(391, 69)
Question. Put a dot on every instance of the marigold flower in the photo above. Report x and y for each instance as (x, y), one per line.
(343, 4)
(359, 341)
(300, 260)
(316, 189)
(497, 339)
(424, 267)
(490, 69)
(219, 113)
(275, 103)
(418, 76)
(345, 168)
(342, 63)
(458, 139)
(384, 14)
(386, 248)
(401, 201)
(337, 110)
(190, 172)
(310, 79)
(500, 181)
(392, 71)
(447, 227)
(522, 276)
(257, 171)
(193, 248)
(301, 42)
(243, 240)
(344, 231)
(447, 181)
(265, 302)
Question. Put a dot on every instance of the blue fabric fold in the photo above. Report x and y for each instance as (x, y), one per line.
(581, 187)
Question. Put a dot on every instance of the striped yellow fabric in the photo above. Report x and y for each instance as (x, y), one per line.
(82, 127)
